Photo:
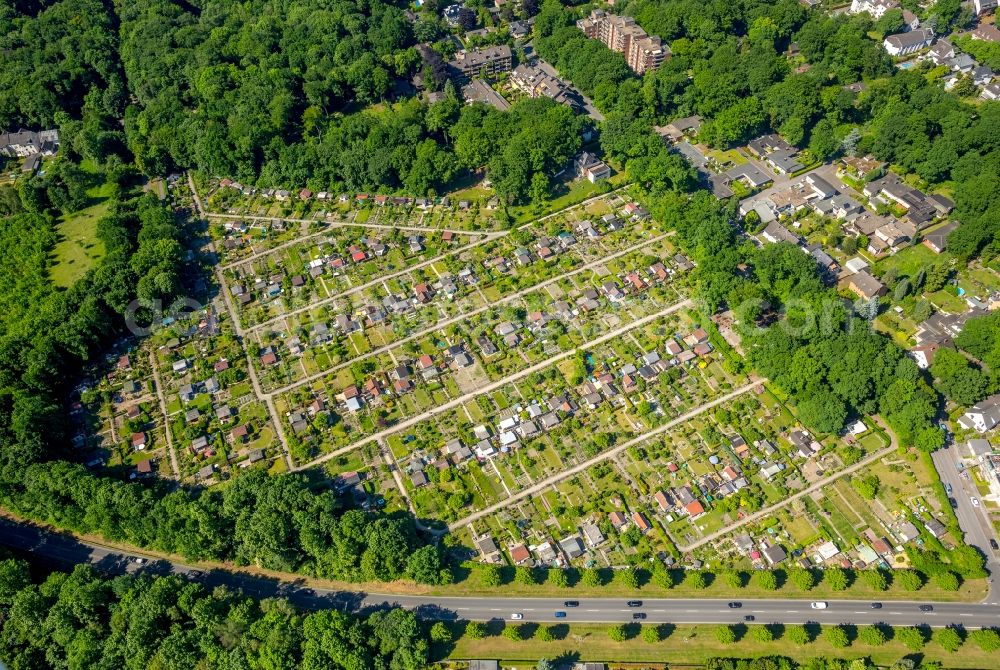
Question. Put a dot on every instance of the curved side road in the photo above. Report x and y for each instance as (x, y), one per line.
(59, 549)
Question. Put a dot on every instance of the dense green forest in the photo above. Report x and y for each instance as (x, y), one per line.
(82, 619)
(297, 92)
(730, 66)
(54, 54)
(833, 367)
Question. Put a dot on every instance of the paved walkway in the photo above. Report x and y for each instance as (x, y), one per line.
(234, 317)
(611, 453)
(460, 400)
(343, 224)
(166, 417)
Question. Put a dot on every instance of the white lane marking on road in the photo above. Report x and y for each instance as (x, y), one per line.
(462, 609)
(591, 610)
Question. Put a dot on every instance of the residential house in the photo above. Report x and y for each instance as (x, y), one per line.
(864, 285)
(937, 240)
(774, 554)
(591, 168)
(519, 554)
(904, 44)
(983, 416)
(923, 354)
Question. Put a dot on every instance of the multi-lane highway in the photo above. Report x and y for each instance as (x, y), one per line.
(60, 549)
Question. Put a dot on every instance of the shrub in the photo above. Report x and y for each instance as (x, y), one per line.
(912, 638)
(877, 579)
(762, 633)
(725, 634)
(949, 639)
(695, 579)
(544, 634)
(946, 580)
(797, 635)
(489, 575)
(475, 630)
(513, 633)
(440, 633)
(873, 636)
(766, 580)
(617, 632)
(651, 634)
(836, 636)
(803, 579)
(909, 580)
(986, 639)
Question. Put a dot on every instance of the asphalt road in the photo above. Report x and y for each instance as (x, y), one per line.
(971, 518)
(59, 550)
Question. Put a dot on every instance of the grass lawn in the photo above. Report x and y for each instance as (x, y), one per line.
(946, 301)
(908, 262)
(569, 195)
(78, 248)
(690, 645)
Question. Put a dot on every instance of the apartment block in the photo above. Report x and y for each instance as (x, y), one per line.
(481, 63)
(621, 33)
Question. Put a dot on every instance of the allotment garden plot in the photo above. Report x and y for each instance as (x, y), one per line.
(512, 437)
(435, 368)
(216, 420)
(665, 495)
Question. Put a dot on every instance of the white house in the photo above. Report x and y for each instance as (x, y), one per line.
(983, 416)
(904, 44)
(983, 6)
(874, 7)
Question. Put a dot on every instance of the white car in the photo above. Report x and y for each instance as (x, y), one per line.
(975, 502)
(818, 605)
(139, 559)
(516, 616)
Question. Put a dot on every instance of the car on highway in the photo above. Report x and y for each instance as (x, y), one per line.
(516, 616)
(947, 487)
(953, 503)
(560, 615)
(876, 606)
(638, 615)
(993, 543)
(927, 608)
(975, 502)
(735, 605)
(819, 605)
(634, 603)
(749, 617)
(571, 603)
